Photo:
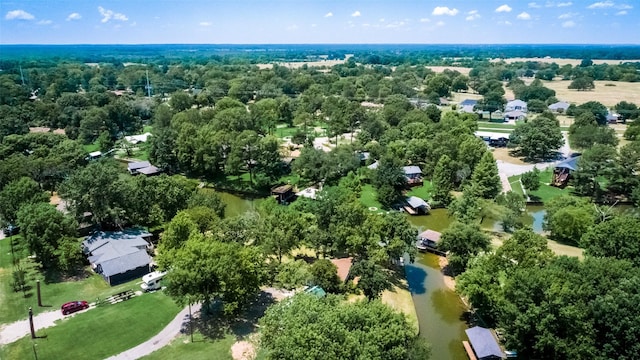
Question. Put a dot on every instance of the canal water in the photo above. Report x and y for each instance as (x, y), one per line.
(440, 310)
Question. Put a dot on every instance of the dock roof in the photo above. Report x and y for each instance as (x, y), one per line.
(484, 343)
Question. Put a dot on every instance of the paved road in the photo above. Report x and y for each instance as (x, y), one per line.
(163, 338)
(19, 329)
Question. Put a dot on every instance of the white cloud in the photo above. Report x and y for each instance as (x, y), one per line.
(567, 16)
(524, 16)
(624, 7)
(44, 22)
(205, 23)
(472, 15)
(292, 27)
(356, 13)
(568, 24)
(443, 10)
(110, 14)
(423, 20)
(440, 23)
(74, 16)
(396, 24)
(534, 5)
(601, 5)
(503, 8)
(329, 14)
(623, 12)
(507, 23)
(565, 4)
(18, 15)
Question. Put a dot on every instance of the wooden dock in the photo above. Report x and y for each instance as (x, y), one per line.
(469, 350)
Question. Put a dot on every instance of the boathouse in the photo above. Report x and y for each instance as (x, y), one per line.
(484, 345)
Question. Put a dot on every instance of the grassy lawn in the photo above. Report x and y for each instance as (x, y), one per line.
(368, 197)
(493, 125)
(399, 298)
(545, 192)
(201, 348)
(101, 332)
(282, 132)
(91, 147)
(423, 192)
(502, 131)
(55, 293)
(147, 128)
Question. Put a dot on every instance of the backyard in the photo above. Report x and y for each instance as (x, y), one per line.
(545, 193)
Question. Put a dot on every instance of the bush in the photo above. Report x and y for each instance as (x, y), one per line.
(293, 274)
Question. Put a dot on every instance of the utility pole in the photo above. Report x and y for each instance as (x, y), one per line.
(38, 290)
(21, 75)
(33, 331)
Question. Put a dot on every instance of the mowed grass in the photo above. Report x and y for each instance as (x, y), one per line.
(15, 305)
(607, 95)
(423, 192)
(545, 193)
(201, 348)
(368, 197)
(101, 332)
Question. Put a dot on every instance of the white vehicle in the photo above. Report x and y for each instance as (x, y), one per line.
(151, 281)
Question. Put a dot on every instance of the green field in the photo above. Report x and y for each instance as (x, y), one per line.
(423, 192)
(545, 193)
(368, 197)
(99, 333)
(201, 348)
(15, 305)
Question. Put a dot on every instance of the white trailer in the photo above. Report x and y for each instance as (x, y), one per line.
(151, 281)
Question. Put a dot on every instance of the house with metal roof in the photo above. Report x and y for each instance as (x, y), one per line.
(118, 256)
(562, 171)
(413, 175)
(484, 344)
(516, 104)
(416, 206)
(559, 107)
(142, 167)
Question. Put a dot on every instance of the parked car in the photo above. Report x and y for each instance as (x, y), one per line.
(11, 230)
(74, 306)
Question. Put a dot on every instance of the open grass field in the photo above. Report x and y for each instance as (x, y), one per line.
(423, 192)
(439, 69)
(607, 95)
(99, 333)
(202, 348)
(545, 193)
(368, 197)
(15, 305)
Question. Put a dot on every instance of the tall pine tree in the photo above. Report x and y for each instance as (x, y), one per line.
(486, 178)
(443, 181)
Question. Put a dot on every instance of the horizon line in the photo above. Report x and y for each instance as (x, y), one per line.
(319, 43)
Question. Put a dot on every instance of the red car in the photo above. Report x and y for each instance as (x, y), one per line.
(73, 306)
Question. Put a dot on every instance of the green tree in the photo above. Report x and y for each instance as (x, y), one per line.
(538, 139)
(531, 179)
(485, 177)
(282, 229)
(514, 204)
(288, 329)
(293, 274)
(628, 111)
(180, 101)
(443, 181)
(205, 269)
(325, 274)
(389, 181)
(582, 84)
(373, 278)
(592, 165)
(69, 254)
(617, 238)
(17, 194)
(43, 227)
(463, 241)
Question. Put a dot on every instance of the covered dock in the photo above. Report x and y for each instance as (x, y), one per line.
(484, 344)
(416, 206)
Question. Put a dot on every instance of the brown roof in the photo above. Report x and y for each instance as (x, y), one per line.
(281, 189)
(344, 266)
(430, 235)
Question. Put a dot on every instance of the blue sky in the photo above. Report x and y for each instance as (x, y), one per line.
(319, 21)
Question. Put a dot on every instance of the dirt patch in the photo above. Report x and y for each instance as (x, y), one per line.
(502, 154)
(449, 281)
(243, 350)
(439, 69)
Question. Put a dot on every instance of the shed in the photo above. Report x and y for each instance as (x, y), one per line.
(316, 291)
(135, 139)
(283, 193)
(484, 344)
(428, 239)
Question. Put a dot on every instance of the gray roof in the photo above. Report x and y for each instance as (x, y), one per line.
(415, 202)
(124, 263)
(149, 170)
(571, 163)
(430, 235)
(468, 102)
(410, 170)
(138, 165)
(373, 166)
(117, 252)
(514, 113)
(559, 105)
(483, 343)
(517, 102)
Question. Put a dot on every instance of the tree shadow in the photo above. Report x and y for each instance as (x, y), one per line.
(416, 279)
(214, 325)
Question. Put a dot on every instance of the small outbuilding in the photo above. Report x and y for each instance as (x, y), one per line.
(484, 344)
(559, 107)
(413, 174)
(416, 206)
(143, 168)
(563, 170)
(283, 194)
(344, 267)
(428, 240)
